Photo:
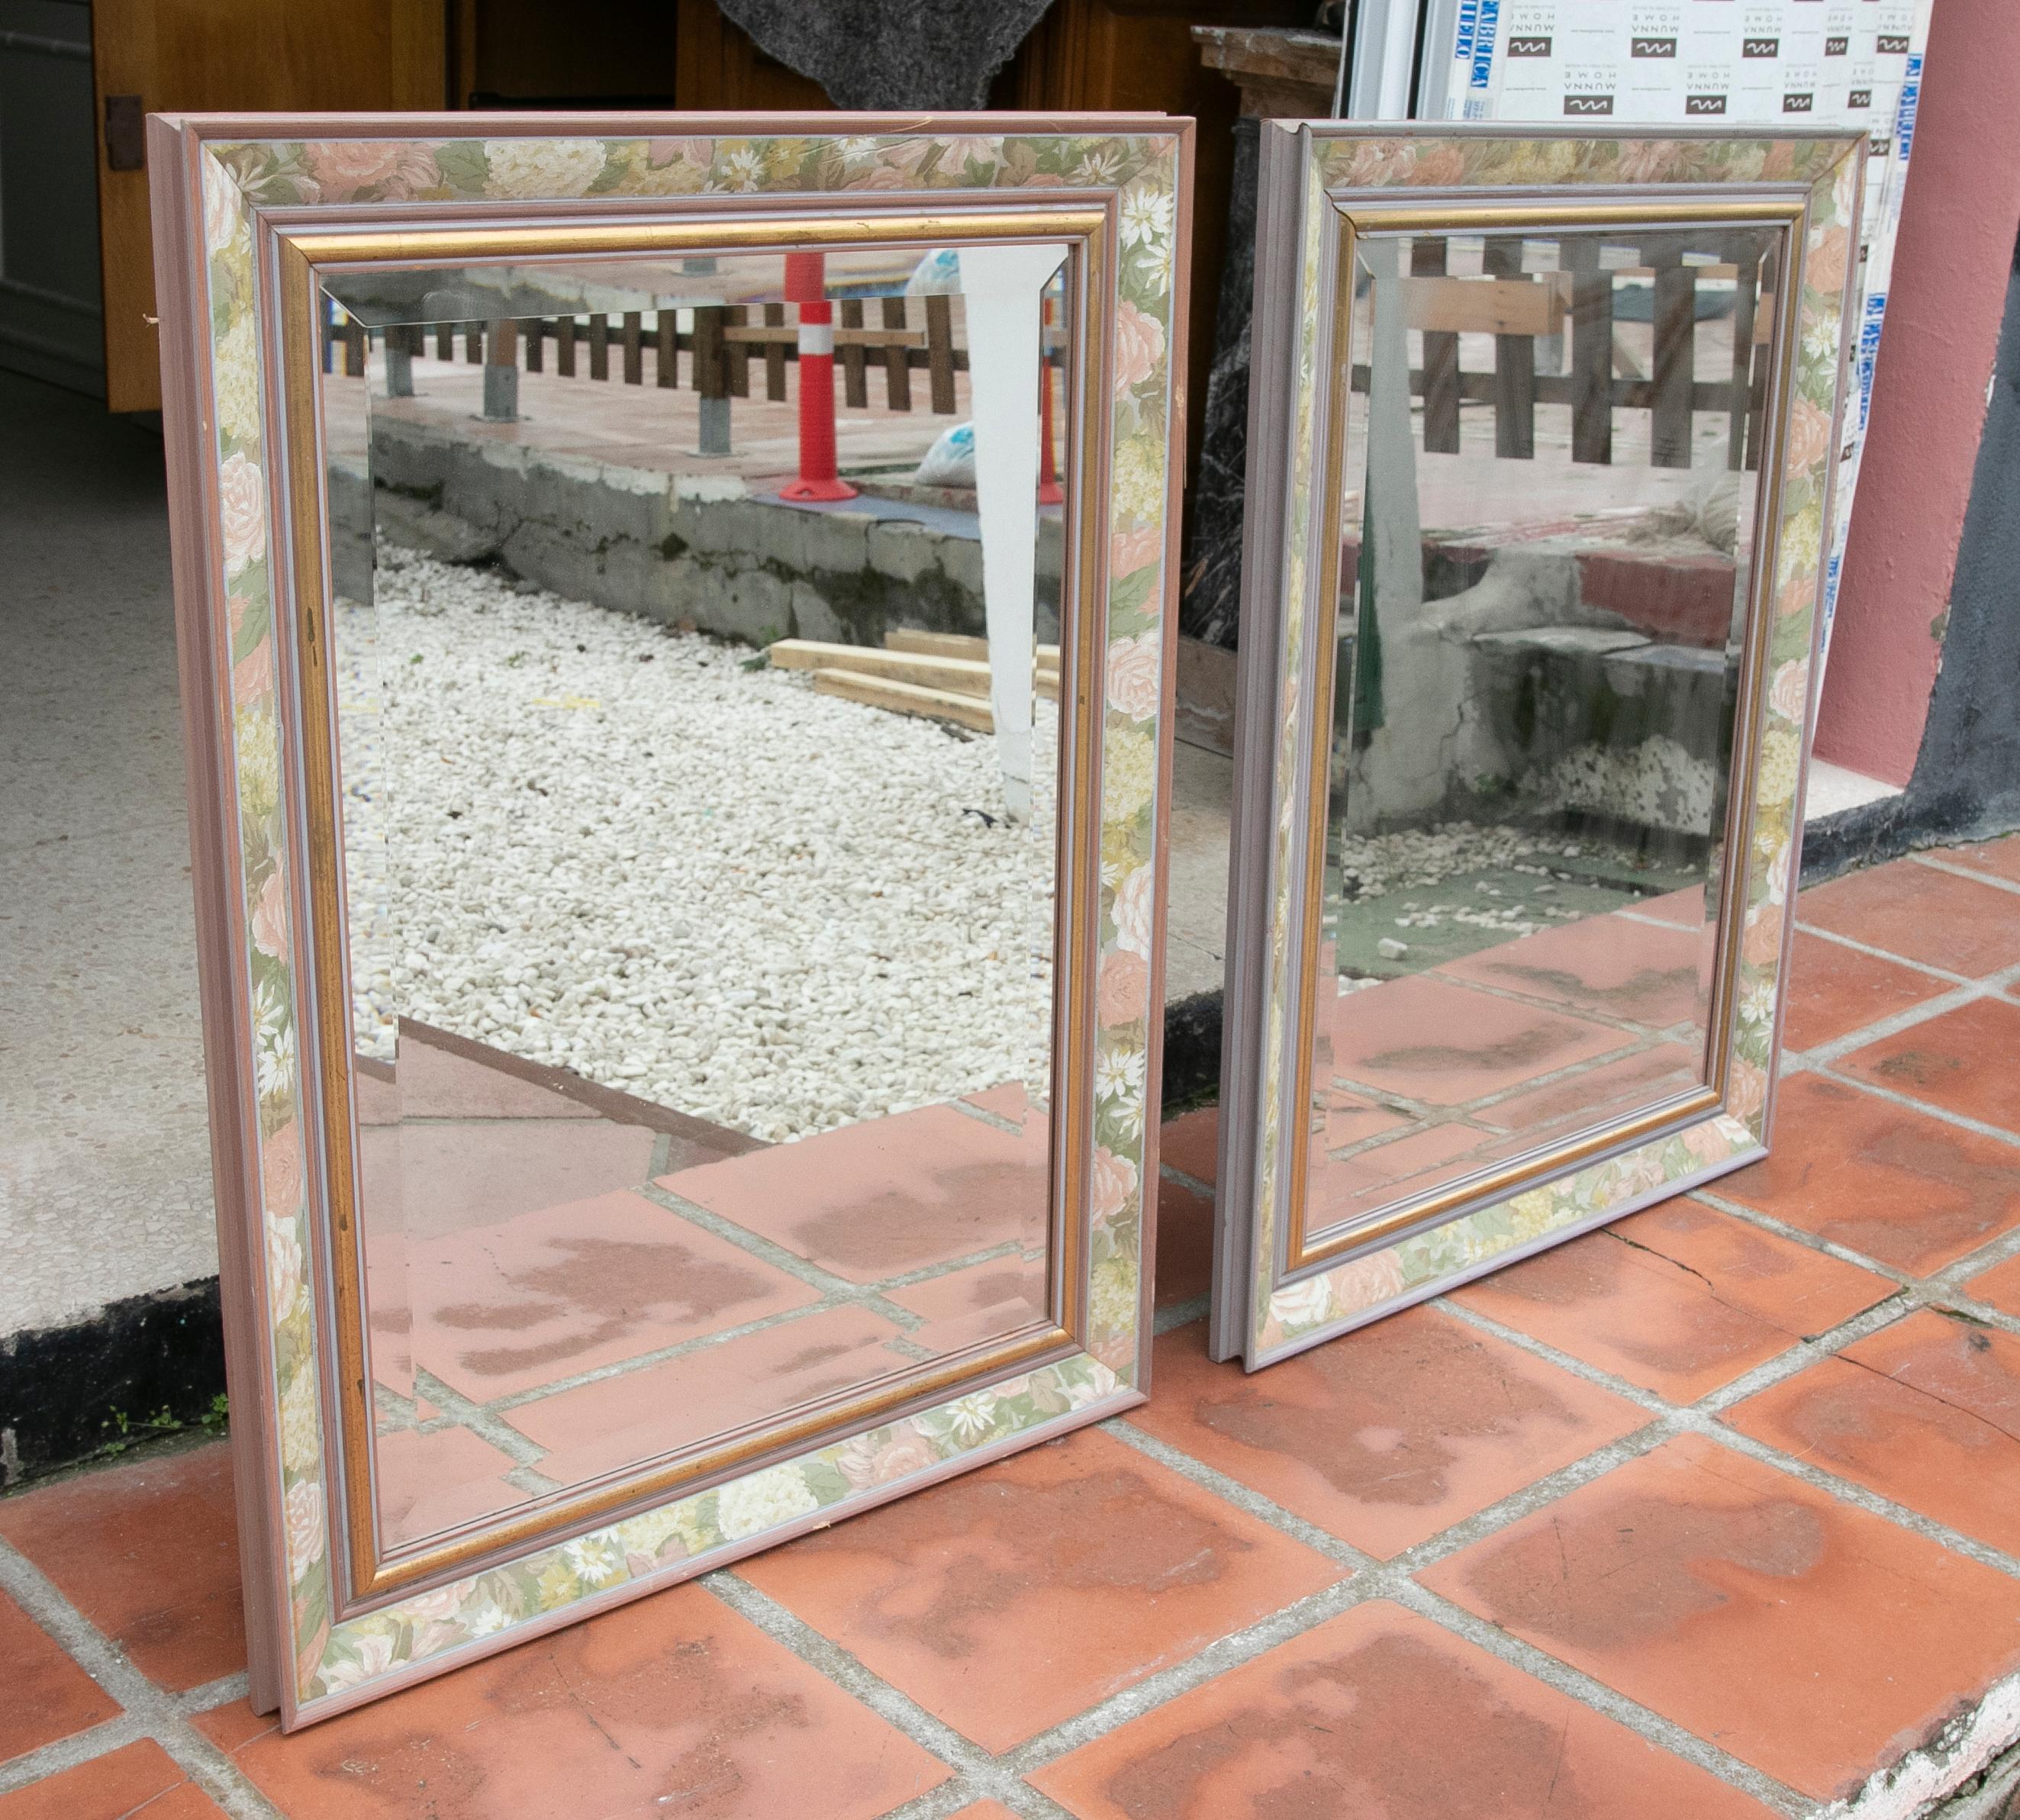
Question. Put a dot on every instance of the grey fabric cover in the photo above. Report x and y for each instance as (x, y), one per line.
(886, 54)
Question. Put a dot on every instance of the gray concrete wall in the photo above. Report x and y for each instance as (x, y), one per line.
(672, 547)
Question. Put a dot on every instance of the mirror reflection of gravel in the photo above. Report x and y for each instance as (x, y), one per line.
(596, 844)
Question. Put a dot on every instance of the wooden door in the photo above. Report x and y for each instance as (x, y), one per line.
(243, 55)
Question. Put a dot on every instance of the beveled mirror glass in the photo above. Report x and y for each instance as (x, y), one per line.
(1541, 698)
(695, 701)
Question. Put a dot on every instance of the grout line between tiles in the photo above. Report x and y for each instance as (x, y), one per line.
(152, 1713)
(1393, 1580)
(1866, 948)
(1928, 1108)
(1930, 860)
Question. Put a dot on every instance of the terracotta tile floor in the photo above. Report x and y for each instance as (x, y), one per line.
(1711, 1513)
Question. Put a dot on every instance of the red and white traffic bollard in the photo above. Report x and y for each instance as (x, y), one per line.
(806, 285)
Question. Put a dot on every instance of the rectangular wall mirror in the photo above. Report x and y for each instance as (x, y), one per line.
(674, 625)
(1533, 536)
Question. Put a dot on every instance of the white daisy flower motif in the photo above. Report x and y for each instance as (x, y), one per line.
(1098, 167)
(970, 1418)
(1820, 340)
(742, 170)
(1118, 1074)
(487, 1619)
(1757, 1004)
(274, 1063)
(596, 1560)
(1147, 215)
(747, 1507)
(374, 1658)
(1153, 261)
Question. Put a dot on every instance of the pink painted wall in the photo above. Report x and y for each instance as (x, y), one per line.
(1950, 271)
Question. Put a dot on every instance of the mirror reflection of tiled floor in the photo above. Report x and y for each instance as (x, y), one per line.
(561, 1276)
(1420, 1082)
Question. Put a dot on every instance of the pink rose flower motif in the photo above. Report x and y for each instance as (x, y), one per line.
(1789, 696)
(302, 1513)
(252, 677)
(1135, 904)
(345, 167)
(659, 153)
(1130, 550)
(242, 512)
(1367, 1281)
(1110, 1183)
(957, 153)
(1440, 166)
(1135, 676)
(906, 1453)
(374, 1658)
(1646, 161)
(269, 918)
(1826, 267)
(281, 1171)
(1746, 1089)
(1139, 346)
(1761, 945)
(1119, 993)
(1707, 1144)
(1809, 436)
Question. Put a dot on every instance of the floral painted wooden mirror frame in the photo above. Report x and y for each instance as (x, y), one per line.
(1323, 184)
(244, 207)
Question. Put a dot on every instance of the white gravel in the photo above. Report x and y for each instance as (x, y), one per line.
(594, 842)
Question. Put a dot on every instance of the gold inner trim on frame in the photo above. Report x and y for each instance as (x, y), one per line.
(1305, 1252)
(300, 258)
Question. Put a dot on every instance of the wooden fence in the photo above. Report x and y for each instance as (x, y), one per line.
(721, 347)
(1517, 309)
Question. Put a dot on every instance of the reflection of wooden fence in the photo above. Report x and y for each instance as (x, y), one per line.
(1517, 308)
(721, 347)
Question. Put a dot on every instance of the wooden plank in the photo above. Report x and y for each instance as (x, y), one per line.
(1510, 304)
(599, 347)
(897, 369)
(957, 644)
(634, 348)
(666, 347)
(444, 341)
(504, 339)
(1747, 277)
(565, 346)
(758, 336)
(711, 377)
(1515, 365)
(955, 675)
(1591, 352)
(905, 697)
(536, 341)
(775, 355)
(1427, 258)
(854, 381)
(354, 349)
(939, 354)
(736, 354)
(1675, 323)
(473, 343)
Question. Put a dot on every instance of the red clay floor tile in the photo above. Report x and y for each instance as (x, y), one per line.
(1926, 1412)
(869, 1201)
(1388, 1434)
(1184, 1244)
(1010, 1599)
(1435, 1040)
(674, 1704)
(1890, 1183)
(1997, 858)
(1833, 990)
(1680, 1300)
(1999, 1287)
(1187, 1144)
(1806, 1637)
(1966, 1061)
(149, 1552)
(48, 1696)
(139, 1778)
(1921, 914)
(1379, 1714)
(1645, 972)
